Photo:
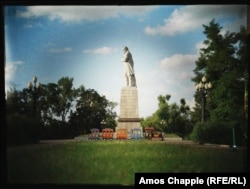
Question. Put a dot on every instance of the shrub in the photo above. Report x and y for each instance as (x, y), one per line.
(21, 129)
(210, 132)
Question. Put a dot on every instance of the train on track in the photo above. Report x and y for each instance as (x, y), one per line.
(124, 134)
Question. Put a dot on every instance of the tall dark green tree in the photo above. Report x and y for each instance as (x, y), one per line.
(223, 67)
(22, 126)
(15, 103)
(90, 110)
(48, 102)
(243, 54)
(63, 111)
(66, 92)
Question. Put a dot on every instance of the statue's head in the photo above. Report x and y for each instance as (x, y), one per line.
(125, 48)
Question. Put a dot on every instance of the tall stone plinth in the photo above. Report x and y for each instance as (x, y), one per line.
(129, 111)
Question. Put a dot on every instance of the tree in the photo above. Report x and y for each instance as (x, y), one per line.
(65, 91)
(163, 112)
(13, 101)
(170, 118)
(63, 111)
(48, 102)
(223, 67)
(243, 54)
(22, 127)
(90, 110)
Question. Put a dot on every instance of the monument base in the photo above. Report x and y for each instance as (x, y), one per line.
(129, 125)
(129, 113)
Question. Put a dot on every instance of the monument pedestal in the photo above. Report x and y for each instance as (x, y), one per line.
(129, 111)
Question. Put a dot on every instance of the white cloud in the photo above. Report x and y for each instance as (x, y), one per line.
(191, 17)
(191, 103)
(60, 50)
(172, 76)
(178, 62)
(233, 26)
(10, 70)
(30, 25)
(149, 88)
(199, 46)
(175, 73)
(80, 13)
(102, 50)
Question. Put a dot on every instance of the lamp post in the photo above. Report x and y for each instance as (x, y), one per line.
(162, 124)
(34, 88)
(203, 87)
(103, 123)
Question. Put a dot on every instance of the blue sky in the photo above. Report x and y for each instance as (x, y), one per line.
(86, 42)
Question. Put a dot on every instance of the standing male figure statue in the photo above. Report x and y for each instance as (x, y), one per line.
(129, 73)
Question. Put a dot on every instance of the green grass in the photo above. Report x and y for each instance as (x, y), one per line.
(113, 162)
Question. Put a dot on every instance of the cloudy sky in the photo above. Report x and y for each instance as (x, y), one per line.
(86, 42)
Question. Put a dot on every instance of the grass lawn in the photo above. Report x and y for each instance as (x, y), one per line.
(114, 162)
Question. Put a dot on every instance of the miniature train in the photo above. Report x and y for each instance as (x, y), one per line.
(124, 134)
(153, 135)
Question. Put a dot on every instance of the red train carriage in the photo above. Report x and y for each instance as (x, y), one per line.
(121, 134)
(107, 134)
(153, 135)
(148, 133)
(94, 134)
(157, 136)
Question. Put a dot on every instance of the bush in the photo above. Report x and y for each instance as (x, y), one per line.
(57, 130)
(21, 129)
(210, 132)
